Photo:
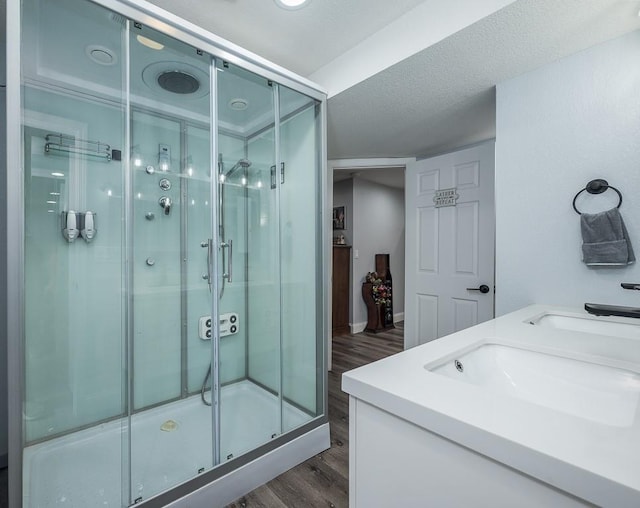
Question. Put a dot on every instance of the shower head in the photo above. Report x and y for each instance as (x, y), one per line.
(242, 163)
(177, 81)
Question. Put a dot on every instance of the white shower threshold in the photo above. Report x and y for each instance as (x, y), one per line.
(169, 445)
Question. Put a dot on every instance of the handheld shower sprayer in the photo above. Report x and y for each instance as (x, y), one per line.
(242, 163)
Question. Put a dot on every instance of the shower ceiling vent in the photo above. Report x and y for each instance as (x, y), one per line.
(176, 78)
(238, 104)
(101, 55)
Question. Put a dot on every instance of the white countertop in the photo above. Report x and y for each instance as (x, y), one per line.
(596, 462)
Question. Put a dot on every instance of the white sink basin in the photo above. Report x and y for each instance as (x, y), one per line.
(627, 328)
(598, 392)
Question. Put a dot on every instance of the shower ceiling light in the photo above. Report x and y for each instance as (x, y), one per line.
(291, 4)
(57, 174)
(150, 43)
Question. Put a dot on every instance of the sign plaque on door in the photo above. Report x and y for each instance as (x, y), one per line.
(445, 197)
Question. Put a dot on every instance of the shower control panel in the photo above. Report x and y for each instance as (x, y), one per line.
(228, 325)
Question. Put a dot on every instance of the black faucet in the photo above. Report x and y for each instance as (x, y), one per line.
(598, 309)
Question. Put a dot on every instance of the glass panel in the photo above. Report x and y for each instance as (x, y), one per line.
(301, 259)
(171, 427)
(250, 357)
(118, 346)
(75, 354)
(156, 261)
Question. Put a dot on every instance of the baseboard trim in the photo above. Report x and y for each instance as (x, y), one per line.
(359, 327)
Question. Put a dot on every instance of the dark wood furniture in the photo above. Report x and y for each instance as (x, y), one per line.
(384, 272)
(340, 278)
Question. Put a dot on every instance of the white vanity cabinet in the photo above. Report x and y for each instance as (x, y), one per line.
(421, 437)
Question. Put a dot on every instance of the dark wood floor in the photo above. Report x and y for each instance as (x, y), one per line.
(323, 480)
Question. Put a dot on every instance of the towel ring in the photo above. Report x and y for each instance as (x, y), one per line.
(597, 186)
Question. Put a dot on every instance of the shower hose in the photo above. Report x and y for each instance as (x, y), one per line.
(204, 386)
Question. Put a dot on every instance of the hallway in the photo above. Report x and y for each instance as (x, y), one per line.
(323, 480)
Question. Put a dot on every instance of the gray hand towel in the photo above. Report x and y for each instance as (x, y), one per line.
(605, 239)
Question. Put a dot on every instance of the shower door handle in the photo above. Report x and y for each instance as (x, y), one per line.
(229, 274)
(209, 246)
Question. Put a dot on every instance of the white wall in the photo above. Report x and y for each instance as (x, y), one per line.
(557, 128)
(3, 264)
(378, 228)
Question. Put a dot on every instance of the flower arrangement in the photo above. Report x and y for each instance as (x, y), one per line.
(381, 292)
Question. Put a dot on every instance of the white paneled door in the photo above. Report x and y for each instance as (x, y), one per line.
(450, 243)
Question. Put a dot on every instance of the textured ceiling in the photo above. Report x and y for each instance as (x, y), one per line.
(438, 99)
(444, 97)
(300, 40)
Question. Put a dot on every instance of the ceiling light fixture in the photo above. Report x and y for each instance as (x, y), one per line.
(291, 4)
(150, 43)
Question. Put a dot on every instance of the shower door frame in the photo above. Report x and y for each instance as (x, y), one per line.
(221, 50)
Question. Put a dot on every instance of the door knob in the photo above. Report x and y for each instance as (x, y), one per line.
(483, 289)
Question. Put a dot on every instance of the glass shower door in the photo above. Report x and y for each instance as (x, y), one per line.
(171, 424)
(250, 375)
(300, 251)
(74, 320)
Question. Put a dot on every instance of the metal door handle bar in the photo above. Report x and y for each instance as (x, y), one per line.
(209, 246)
(229, 273)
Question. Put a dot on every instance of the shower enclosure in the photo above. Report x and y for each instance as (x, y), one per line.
(167, 270)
